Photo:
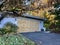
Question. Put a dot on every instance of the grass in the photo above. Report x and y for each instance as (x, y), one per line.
(15, 39)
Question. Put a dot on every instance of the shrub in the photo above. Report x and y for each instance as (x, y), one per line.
(55, 30)
(8, 28)
(2, 31)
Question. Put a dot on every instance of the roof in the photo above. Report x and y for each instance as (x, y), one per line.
(28, 16)
(32, 17)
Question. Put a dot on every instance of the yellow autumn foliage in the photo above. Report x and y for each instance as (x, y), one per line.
(44, 1)
(41, 12)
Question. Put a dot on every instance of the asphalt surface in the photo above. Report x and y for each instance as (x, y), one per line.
(43, 38)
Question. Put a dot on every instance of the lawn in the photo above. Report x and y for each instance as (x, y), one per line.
(15, 39)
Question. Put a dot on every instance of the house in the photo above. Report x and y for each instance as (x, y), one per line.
(26, 23)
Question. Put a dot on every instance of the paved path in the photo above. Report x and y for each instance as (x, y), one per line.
(43, 38)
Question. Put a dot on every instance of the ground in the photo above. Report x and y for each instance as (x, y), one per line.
(43, 38)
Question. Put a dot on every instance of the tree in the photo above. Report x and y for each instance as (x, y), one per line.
(56, 12)
(22, 6)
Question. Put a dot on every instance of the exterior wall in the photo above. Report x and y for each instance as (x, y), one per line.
(5, 20)
(28, 25)
(41, 25)
(24, 24)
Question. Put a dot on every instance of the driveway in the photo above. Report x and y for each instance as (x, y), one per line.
(43, 38)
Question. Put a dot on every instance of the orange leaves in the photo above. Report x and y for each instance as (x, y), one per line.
(39, 13)
(35, 4)
(44, 1)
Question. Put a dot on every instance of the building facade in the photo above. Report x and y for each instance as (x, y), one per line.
(25, 23)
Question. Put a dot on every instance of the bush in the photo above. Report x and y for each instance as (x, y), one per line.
(8, 28)
(2, 31)
(55, 30)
